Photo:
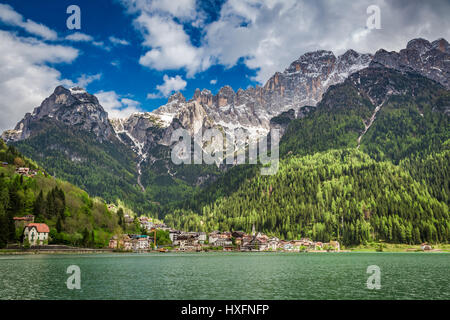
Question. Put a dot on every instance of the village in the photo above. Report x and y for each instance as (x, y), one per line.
(23, 171)
(213, 241)
(37, 235)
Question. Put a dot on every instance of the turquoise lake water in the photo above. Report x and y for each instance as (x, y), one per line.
(226, 276)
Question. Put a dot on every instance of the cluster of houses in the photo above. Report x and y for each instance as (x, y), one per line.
(149, 224)
(38, 234)
(131, 242)
(134, 242)
(226, 241)
(241, 241)
(26, 172)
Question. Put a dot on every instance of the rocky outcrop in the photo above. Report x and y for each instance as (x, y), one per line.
(302, 83)
(290, 94)
(430, 59)
(74, 107)
(307, 78)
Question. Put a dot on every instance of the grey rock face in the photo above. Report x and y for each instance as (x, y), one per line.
(430, 59)
(74, 107)
(286, 94)
(302, 83)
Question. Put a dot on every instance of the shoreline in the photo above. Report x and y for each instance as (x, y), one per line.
(5, 252)
(368, 248)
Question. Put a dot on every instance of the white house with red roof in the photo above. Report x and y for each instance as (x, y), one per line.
(36, 233)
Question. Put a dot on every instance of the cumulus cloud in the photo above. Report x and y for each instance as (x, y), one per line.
(79, 37)
(84, 80)
(213, 81)
(182, 9)
(170, 46)
(10, 17)
(82, 37)
(117, 41)
(270, 34)
(26, 79)
(116, 105)
(170, 85)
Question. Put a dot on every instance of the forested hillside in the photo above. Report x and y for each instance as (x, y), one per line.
(103, 169)
(108, 169)
(412, 117)
(337, 194)
(369, 163)
(74, 218)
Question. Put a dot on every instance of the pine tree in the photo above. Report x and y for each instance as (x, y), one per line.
(39, 207)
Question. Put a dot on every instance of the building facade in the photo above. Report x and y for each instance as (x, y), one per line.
(36, 233)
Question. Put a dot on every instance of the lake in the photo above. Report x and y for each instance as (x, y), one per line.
(226, 276)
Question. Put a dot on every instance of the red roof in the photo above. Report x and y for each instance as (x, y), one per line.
(27, 217)
(40, 227)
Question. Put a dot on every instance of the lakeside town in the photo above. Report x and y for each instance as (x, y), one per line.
(216, 240)
(36, 236)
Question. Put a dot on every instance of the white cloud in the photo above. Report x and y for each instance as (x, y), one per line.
(182, 9)
(170, 46)
(84, 80)
(101, 44)
(26, 79)
(170, 85)
(118, 41)
(116, 105)
(9, 16)
(79, 37)
(82, 37)
(213, 81)
(130, 102)
(269, 34)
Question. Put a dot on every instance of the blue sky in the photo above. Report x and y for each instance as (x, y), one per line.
(118, 64)
(134, 53)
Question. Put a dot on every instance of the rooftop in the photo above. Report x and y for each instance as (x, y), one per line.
(40, 227)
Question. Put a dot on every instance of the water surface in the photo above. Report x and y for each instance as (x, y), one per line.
(226, 276)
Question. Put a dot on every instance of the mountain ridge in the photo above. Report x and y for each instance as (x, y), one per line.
(144, 139)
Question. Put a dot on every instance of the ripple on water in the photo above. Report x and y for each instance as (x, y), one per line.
(226, 276)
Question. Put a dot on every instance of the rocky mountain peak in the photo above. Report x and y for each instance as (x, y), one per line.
(350, 54)
(73, 107)
(302, 83)
(312, 62)
(351, 57)
(441, 45)
(225, 96)
(203, 97)
(177, 97)
(419, 44)
(61, 90)
(226, 91)
(431, 60)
